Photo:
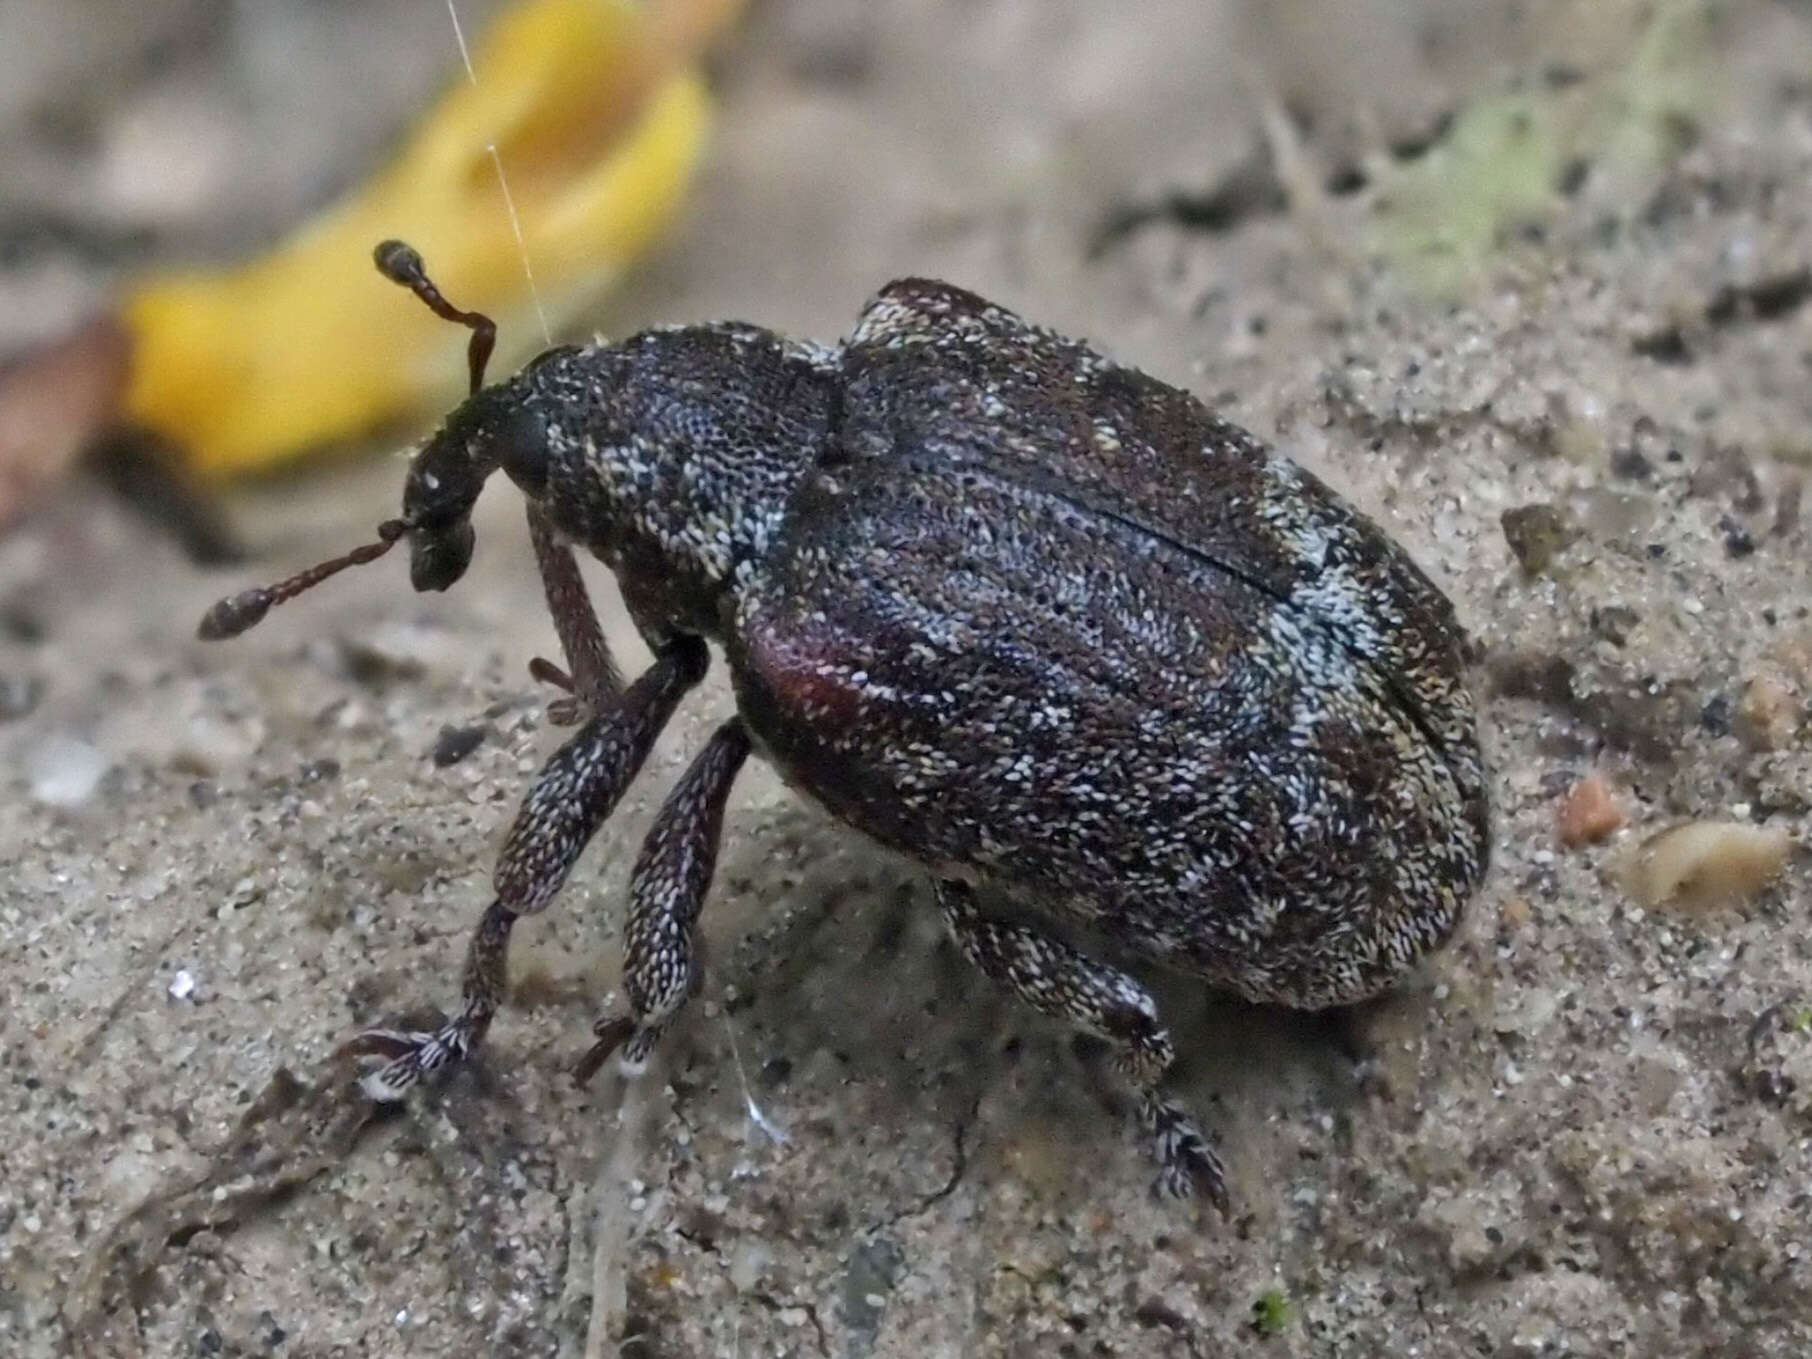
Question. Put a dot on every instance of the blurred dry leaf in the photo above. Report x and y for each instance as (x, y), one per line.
(52, 404)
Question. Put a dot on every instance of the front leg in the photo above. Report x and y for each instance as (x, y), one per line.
(593, 682)
(1057, 980)
(666, 892)
(572, 796)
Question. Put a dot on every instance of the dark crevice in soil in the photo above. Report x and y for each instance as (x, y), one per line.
(1771, 298)
(1250, 189)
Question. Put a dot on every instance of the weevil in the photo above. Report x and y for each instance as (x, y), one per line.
(1048, 626)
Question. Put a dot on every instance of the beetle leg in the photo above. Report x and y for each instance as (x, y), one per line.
(595, 682)
(666, 891)
(414, 1054)
(1059, 981)
(571, 797)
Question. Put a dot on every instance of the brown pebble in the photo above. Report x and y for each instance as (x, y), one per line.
(1767, 715)
(1537, 534)
(1516, 913)
(1795, 657)
(1588, 813)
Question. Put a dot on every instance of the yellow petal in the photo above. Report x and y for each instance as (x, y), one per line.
(599, 128)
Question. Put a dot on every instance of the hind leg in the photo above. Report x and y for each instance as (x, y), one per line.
(1056, 980)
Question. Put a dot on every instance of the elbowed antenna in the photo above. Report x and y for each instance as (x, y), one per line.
(400, 263)
(234, 614)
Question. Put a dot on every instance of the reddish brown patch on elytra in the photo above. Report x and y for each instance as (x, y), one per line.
(807, 667)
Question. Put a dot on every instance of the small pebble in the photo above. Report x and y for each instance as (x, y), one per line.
(455, 743)
(64, 772)
(19, 694)
(1615, 622)
(1767, 713)
(1714, 716)
(1537, 534)
(749, 1260)
(182, 985)
(1738, 541)
(1630, 464)
(1588, 813)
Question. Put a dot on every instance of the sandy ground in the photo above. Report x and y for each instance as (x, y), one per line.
(1584, 1129)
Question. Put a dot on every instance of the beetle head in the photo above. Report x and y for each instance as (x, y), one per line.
(444, 480)
(445, 477)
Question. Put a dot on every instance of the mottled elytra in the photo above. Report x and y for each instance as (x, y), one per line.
(1040, 622)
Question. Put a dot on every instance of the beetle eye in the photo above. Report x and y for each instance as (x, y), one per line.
(521, 447)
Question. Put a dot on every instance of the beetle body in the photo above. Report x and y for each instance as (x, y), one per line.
(1041, 622)
(1044, 623)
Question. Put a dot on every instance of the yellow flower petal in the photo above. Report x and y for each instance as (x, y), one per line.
(599, 129)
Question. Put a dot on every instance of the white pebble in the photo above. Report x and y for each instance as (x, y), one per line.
(64, 772)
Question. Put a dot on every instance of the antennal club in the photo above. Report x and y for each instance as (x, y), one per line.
(234, 614)
(401, 263)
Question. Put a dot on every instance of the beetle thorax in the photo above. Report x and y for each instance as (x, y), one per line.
(672, 455)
